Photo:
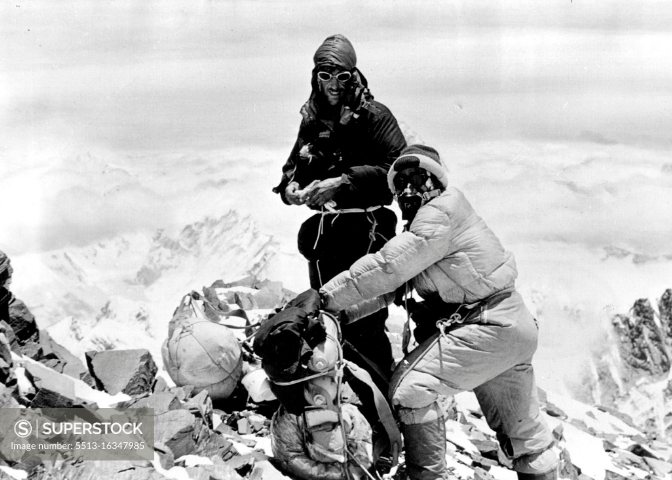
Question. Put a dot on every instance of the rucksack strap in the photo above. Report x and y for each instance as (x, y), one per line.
(383, 410)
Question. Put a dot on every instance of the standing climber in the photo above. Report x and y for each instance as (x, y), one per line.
(480, 335)
(339, 166)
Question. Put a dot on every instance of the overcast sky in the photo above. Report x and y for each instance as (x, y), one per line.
(83, 75)
(574, 98)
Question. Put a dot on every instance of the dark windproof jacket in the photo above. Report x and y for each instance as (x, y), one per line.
(362, 146)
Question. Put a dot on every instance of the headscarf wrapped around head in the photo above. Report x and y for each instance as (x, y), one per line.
(337, 51)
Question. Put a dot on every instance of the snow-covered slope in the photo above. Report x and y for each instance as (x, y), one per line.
(121, 293)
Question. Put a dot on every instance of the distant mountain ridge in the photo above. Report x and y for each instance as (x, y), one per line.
(121, 292)
(631, 372)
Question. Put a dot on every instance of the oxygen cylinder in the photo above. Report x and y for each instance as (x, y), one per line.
(325, 355)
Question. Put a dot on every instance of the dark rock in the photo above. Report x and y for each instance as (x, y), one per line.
(243, 464)
(211, 296)
(54, 390)
(7, 397)
(640, 343)
(64, 361)
(9, 333)
(161, 402)
(609, 446)
(201, 405)
(555, 411)
(87, 378)
(22, 322)
(665, 315)
(47, 351)
(201, 434)
(175, 429)
(166, 457)
(6, 362)
(484, 462)
(46, 398)
(127, 371)
(225, 429)
(32, 350)
(626, 457)
(641, 451)
(213, 445)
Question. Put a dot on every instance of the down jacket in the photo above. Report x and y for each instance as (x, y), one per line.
(362, 149)
(293, 448)
(448, 252)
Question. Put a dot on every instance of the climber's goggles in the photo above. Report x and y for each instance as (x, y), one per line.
(341, 76)
(416, 178)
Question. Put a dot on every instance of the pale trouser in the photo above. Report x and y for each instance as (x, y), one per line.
(491, 355)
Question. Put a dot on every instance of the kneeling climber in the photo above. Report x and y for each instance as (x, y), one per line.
(316, 434)
(486, 336)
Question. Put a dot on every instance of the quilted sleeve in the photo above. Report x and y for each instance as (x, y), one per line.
(398, 261)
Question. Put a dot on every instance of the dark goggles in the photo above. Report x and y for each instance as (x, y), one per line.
(341, 77)
(416, 179)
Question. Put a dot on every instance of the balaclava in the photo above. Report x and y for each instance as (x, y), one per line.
(417, 156)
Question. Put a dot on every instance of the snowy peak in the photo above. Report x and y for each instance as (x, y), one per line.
(121, 292)
(230, 242)
(631, 373)
(641, 340)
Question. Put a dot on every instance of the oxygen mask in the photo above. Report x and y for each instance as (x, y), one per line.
(409, 204)
(414, 187)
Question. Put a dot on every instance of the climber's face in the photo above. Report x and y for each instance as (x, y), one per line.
(332, 81)
(409, 185)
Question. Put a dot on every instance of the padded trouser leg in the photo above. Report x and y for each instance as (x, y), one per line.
(537, 466)
(538, 476)
(425, 447)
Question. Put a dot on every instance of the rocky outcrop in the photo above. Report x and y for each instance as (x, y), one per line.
(22, 322)
(665, 313)
(641, 342)
(194, 439)
(631, 372)
(127, 371)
